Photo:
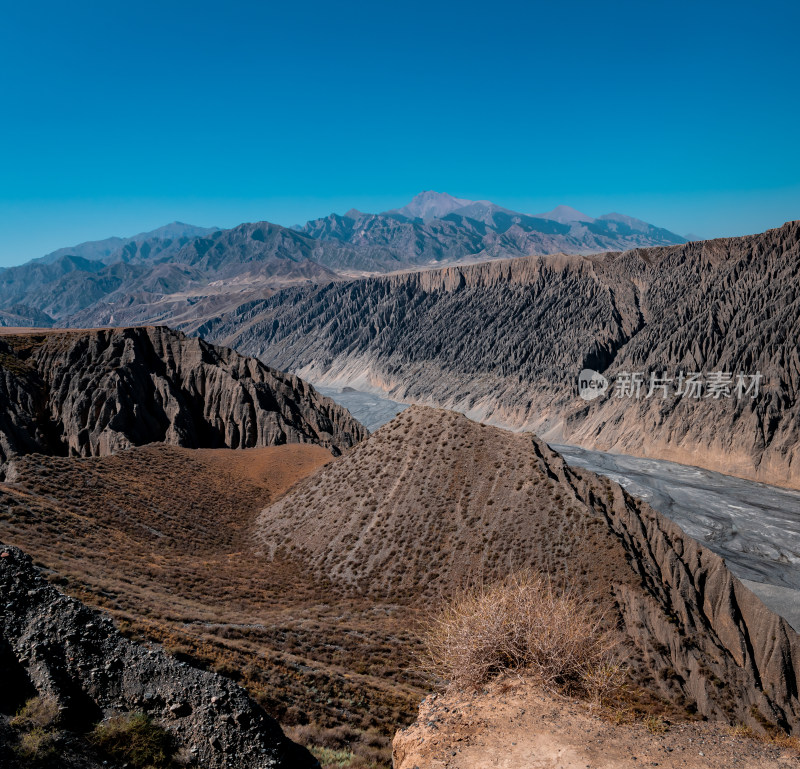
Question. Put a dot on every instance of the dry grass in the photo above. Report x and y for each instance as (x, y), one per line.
(655, 724)
(35, 724)
(36, 745)
(38, 712)
(523, 625)
(341, 746)
(135, 741)
(770, 737)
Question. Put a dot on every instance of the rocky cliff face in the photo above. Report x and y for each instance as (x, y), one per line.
(91, 393)
(53, 646)
(504, 342)
(447, 500)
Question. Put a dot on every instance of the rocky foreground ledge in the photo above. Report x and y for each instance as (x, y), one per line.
(55, 647)
(515, 724)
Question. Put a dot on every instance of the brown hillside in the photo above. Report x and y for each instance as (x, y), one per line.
(314, 598)
(433, 500)
(160, 536)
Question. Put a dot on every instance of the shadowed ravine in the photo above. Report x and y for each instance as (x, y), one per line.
(753, 526)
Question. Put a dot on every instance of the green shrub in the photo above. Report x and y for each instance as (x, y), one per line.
(136, 740)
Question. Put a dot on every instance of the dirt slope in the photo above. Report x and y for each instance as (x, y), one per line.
(55, 647)
(433, 500)
(160, 537)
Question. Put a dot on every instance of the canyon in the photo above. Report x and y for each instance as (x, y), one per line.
(301, 556)
(504, 342)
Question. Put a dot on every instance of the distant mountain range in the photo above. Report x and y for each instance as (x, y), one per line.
(180, 272)
(114, 248)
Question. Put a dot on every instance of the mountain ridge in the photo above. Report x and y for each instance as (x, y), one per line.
(183, 273)
(93, 393)
(98, 250)
(727, 304)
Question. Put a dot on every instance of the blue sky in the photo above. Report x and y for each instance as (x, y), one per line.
(119, 117)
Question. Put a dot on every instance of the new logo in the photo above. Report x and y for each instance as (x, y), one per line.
(591, 384)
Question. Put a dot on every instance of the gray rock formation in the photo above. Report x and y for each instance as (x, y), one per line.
(504, 342)
(25, 426)
(90, 393)
(54, 646)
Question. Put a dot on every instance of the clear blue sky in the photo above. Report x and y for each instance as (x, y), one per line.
(119, 117)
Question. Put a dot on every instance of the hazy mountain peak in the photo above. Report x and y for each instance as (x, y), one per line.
(175, 230)
(99, 250)
(432, 205)
(565, 215)
(635, 224)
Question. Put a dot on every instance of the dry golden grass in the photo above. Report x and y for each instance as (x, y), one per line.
(41, 712)
(524, 625)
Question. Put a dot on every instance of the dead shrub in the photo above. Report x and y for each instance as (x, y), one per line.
(523, 624)
(36, 745)
(34, 722)
(135, 740)
(38, 712)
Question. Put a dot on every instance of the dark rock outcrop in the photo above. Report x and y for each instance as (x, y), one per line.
(24, 421)
(90, 393)
(55, 647)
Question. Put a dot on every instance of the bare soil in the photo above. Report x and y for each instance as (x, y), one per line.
(514, 724)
